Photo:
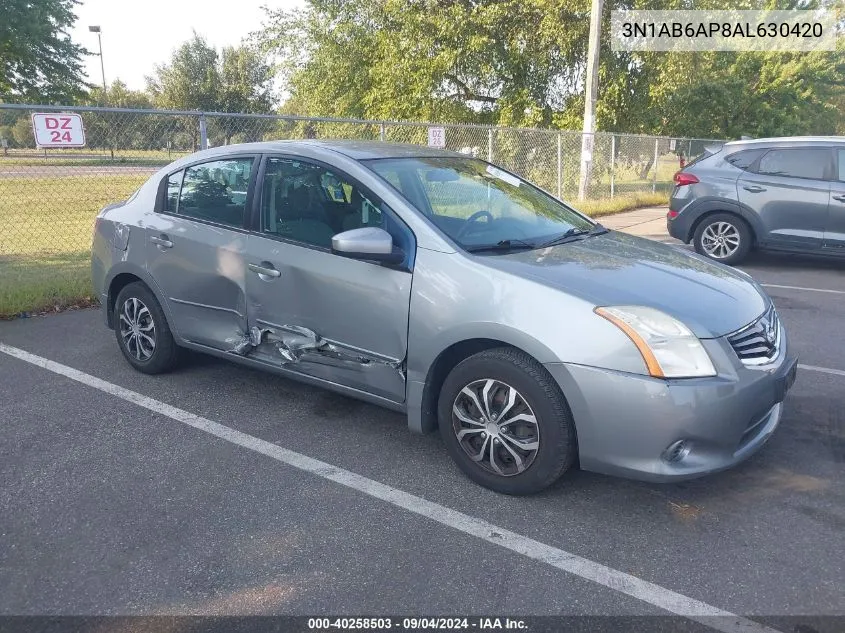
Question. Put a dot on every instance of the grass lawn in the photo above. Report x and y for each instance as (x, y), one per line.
(45, 238)
(46, 224)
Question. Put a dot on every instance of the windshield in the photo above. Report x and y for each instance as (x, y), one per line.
(477, 204)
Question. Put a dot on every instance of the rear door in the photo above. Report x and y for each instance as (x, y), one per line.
(789, 190)
(323, 315)
(195, 248)
(834, 234)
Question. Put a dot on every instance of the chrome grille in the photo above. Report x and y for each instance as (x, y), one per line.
(758, 342)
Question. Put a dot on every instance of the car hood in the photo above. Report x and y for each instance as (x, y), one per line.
(619, 269)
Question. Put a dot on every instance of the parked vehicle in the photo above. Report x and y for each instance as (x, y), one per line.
(441, 286)
(785, 194)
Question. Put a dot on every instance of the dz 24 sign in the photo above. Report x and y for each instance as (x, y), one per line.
(58, 130)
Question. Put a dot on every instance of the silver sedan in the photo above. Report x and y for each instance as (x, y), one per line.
(455, 292)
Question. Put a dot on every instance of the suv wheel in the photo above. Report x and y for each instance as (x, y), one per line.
(143, 334)
(723, 237)
(506, 423)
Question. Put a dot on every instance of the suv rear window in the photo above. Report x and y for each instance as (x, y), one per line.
(795, 163)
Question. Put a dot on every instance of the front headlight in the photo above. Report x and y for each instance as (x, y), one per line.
(668, 347)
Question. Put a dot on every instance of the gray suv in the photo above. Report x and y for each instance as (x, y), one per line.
(785, 194)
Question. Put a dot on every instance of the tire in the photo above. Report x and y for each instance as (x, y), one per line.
(536, 393)
(725, 225)
(137, 302)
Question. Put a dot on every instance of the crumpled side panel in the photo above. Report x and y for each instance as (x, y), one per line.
(295, 343)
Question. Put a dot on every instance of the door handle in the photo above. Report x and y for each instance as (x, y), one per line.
(265, 269)
(754, 189)
(161, 241)
(841, 197)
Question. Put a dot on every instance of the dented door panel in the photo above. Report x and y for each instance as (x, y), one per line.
(334, 318)
(201, 275)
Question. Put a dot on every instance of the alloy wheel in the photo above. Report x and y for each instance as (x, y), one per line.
(720, 240)
(137, 329)
(496, 427)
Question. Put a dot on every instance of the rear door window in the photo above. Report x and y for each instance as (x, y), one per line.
(216, 191)
(796, 163)
(841, 165)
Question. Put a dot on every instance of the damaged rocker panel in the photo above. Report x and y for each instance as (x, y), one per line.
(293, 344)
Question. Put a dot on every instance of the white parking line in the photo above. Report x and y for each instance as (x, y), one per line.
(824, 370)
(620, 581)
(835, 292)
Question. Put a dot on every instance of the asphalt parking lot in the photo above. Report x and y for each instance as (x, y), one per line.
(113, 503)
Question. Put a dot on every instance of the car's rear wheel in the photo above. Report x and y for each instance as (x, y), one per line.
(506, 423)
(723, 237)
(143, 334)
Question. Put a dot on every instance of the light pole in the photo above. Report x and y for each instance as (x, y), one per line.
(590, 95)
(96, 29)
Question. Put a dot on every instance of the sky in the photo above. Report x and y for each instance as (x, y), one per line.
(139, 35)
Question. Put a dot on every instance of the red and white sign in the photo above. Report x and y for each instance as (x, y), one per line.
(437, 137)
(58, 130)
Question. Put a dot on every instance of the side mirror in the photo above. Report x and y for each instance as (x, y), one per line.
(369, 242)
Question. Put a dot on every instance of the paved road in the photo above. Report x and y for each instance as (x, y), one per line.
(108, 507)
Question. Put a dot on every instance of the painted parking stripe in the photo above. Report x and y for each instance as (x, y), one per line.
(620, 581)
(824, 370)
(835, 292)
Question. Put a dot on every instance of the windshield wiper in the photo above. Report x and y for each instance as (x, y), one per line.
(570, 235)
(501, 245)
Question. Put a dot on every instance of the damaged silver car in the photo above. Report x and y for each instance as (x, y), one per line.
(453, 291)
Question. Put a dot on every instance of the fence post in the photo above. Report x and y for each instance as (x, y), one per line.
(381, 132)
(490, 145)
(689, 153)
(203, 133)
(612, 163)
(559, 167)
(654, 175)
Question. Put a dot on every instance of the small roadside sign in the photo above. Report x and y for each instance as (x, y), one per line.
(58, 130)
(4, 143)
(437, 137)
(672, 145)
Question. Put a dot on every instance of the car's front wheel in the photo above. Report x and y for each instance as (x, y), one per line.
(506, 423)
(143, 334)
(723, 237)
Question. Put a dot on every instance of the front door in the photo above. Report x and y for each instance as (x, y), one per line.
(834, 234)
(323, 315)
(195, 250)
(789, 192)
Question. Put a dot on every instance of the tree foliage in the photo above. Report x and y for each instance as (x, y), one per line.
(38, 61)
(522, 63)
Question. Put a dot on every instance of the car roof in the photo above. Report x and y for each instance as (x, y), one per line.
(357, 150)
(786, 141)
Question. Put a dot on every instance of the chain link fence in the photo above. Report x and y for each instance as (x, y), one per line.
(49, 197)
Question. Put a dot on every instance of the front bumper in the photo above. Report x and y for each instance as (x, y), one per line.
(626, 421)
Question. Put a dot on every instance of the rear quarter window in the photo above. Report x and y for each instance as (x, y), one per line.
(745, 158)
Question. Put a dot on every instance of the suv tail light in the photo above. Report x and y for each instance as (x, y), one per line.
(683, 178)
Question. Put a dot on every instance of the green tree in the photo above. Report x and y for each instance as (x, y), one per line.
(190, 81)
(245, 87)
(522, 63)
(197, 78)
(22, 132)
(38, 61)
(120, 130)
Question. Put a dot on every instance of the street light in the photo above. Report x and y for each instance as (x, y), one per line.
(96, 29)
